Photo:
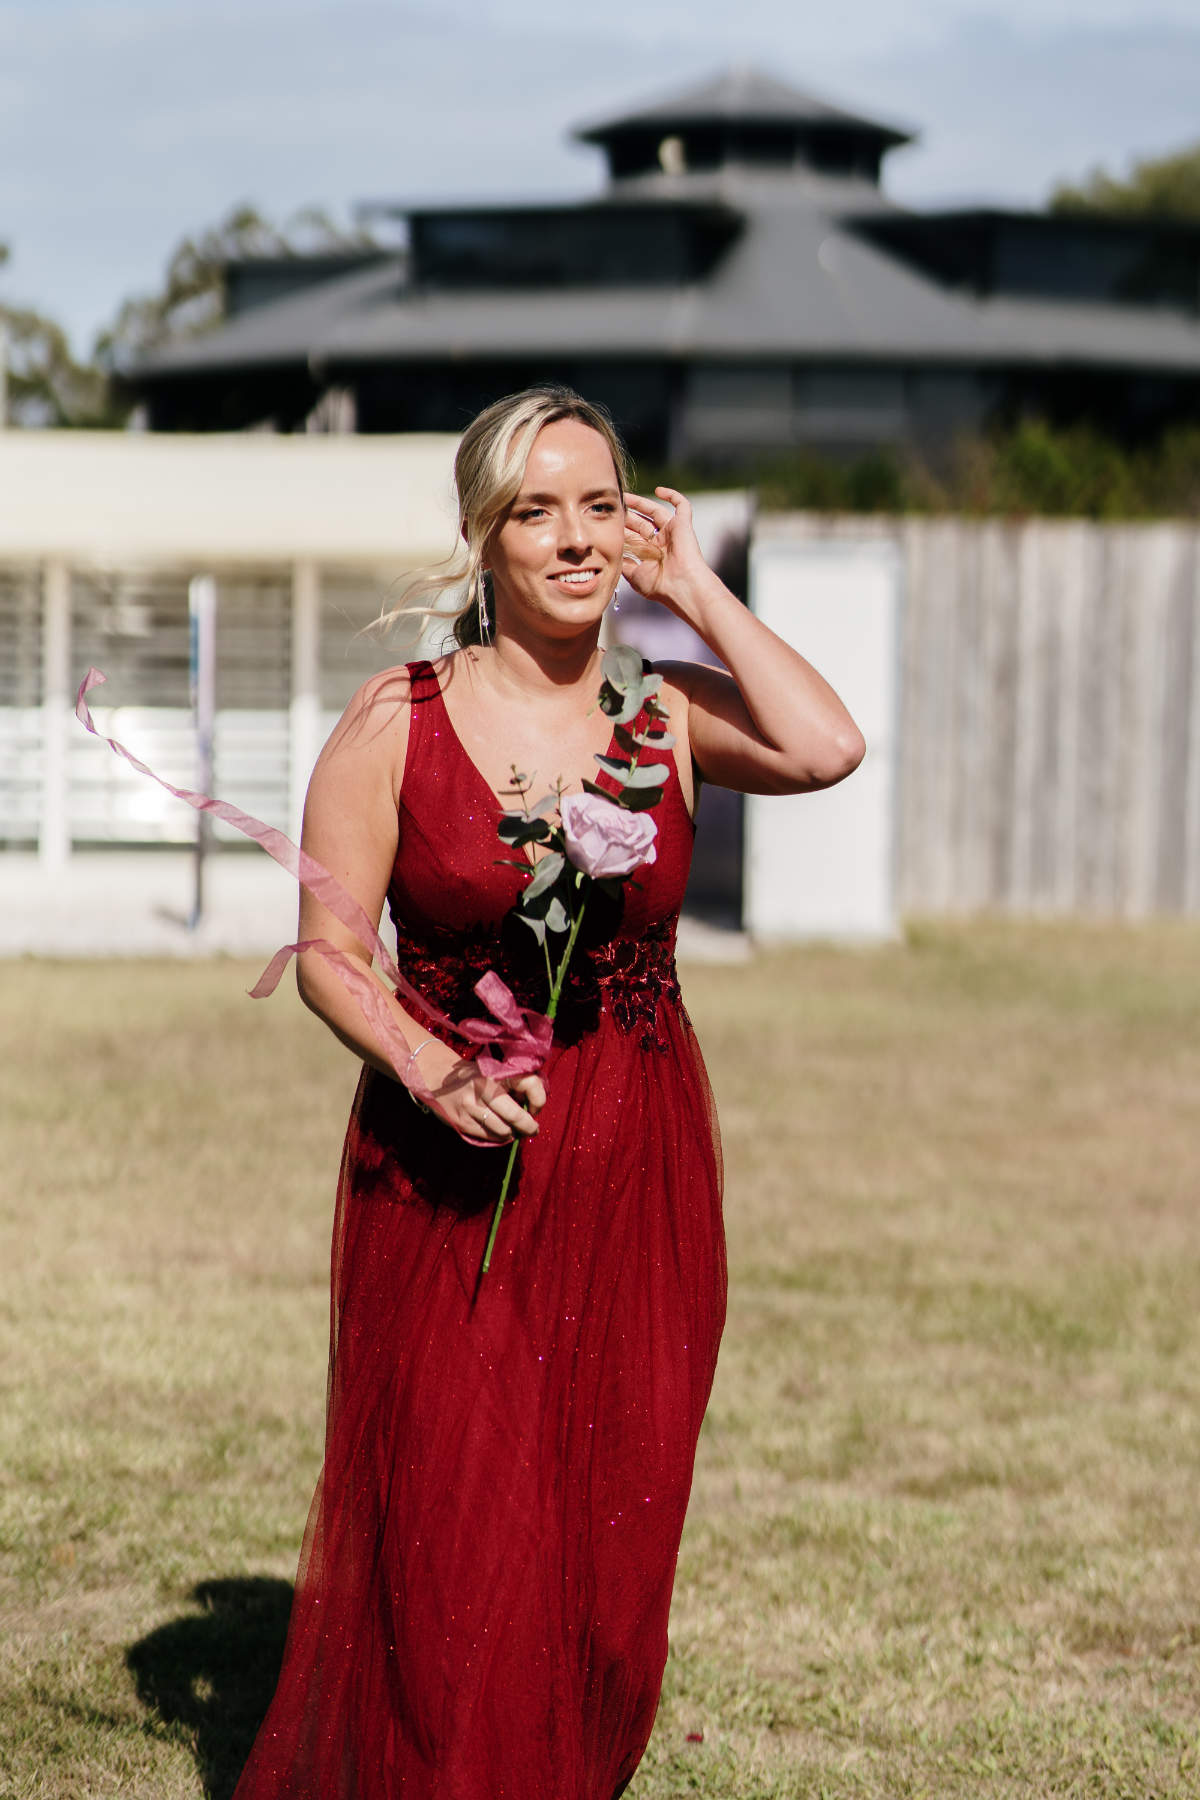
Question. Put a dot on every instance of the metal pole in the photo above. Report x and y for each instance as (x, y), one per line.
(54, 830)
(202, 668)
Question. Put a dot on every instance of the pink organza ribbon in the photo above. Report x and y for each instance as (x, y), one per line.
(522, 1036)
(519, 1033)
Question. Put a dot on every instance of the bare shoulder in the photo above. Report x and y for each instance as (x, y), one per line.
(380, 704)
(687, 685)
(687, 681)
(372, 734)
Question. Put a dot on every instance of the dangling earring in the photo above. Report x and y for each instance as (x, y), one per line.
(481, 604)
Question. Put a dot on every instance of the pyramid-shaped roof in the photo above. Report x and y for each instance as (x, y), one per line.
(740, 96)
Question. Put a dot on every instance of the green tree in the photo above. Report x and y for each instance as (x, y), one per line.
(44, 384)
(1165, 186)
(48, 386)
(192, 297)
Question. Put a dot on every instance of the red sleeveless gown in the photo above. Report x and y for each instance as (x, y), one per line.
(481, 1608)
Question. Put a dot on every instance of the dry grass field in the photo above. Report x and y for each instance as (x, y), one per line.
(944, 1534)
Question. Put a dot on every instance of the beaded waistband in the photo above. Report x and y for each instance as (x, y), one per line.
(626, 976)
(629, 962)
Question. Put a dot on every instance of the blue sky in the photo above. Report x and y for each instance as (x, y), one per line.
(125, 123)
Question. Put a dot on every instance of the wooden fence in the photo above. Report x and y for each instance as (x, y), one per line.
(1049, 713)
(1049, 717)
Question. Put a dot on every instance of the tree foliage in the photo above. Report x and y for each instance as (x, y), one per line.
(192, 296)
(48, 386)
(1160, 186)
(1030, 468)
(45, 384)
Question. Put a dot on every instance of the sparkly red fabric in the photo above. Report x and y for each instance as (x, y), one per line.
(481, 1608)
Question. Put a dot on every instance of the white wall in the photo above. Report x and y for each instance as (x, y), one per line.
(822, 865)
(99, 496)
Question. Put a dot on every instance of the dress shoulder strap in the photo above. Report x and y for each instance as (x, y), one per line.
(423, 682)
(425, 706)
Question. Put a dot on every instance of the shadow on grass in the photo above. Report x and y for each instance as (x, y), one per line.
(214, 1672)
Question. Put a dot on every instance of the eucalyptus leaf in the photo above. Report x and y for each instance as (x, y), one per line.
(614, 765)
(515, 829)
(557, 918)
(647, 775)
(537, 926)
(622, 666)
(635, 799)
(589, 787)
(630, 707)
(544, 806)
(636, 741)
(545, 875)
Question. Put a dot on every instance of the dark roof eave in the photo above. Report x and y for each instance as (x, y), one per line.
(995, 359)
(155, 374)
(603, 135)
(708, 209)
(1038, 218)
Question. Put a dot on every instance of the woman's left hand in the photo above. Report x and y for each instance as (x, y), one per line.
(663, 559)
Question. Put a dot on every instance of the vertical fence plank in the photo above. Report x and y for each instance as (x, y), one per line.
(1050, 708)
(1191, 876)
(1004, 612)
(913, 836)
(970, 721)
(1069, 600)
(1101, 658)
(1025, 749)
(1147, 598)
(909, 797)
(942, 577)
(1176, 724)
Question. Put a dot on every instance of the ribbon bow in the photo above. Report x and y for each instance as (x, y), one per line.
(521, 1035)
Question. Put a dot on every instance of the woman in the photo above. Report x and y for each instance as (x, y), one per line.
(483, 1596)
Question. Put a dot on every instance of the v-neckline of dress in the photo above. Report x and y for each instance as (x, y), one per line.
(480, 777)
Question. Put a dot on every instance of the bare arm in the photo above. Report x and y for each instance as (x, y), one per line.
(351, 827)
(772, 725)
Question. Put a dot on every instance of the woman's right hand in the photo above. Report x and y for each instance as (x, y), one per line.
(484, 1111)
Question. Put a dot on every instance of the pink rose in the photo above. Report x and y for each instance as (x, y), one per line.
(603, 839)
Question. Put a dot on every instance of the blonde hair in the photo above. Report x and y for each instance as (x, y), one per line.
(488, 471)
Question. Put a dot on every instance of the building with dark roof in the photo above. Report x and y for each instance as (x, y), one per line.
(743, 285)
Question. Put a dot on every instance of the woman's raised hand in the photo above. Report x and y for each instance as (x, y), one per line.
(478, 1108)
(663, 560)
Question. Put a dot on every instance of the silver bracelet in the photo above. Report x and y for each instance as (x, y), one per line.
(412, 1057)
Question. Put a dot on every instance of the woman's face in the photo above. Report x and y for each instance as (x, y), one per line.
(556, 558)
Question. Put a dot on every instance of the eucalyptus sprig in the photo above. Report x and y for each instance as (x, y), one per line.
(544, 902)
(626, 692)
(570, 865)
(549, 901)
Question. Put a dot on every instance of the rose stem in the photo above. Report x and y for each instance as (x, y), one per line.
(551, 1014)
